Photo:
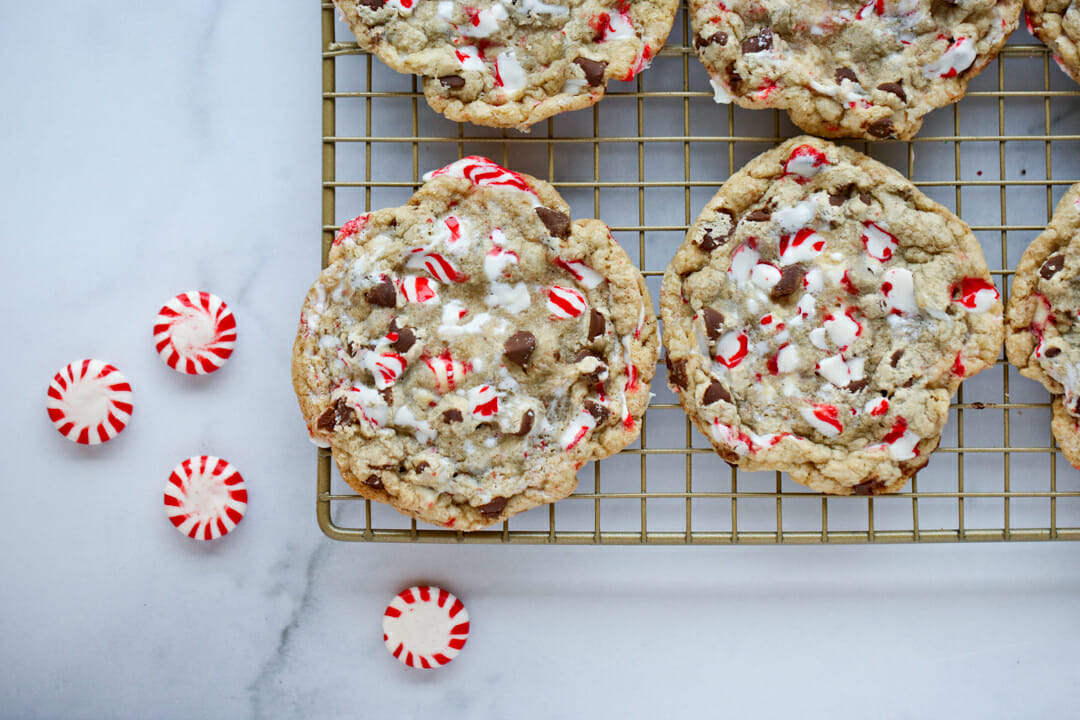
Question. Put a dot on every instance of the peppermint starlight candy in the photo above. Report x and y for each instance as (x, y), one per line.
(512, 63)
(1041, 337)
(849, 69)
(205, 497)
(465, 354)
(89, 402)
(821, 314)
(425, 627)
(195, 333)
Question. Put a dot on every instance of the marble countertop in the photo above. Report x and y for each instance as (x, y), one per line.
(147, 153)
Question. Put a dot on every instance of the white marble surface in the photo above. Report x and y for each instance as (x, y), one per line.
(146, 152)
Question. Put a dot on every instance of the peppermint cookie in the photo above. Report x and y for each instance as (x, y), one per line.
(848, 68)
(1043, 336)
(465, 354)
(512, 63)
(821, 314)
(1057, 24)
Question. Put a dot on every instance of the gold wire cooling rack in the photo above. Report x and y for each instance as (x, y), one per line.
(645, 160)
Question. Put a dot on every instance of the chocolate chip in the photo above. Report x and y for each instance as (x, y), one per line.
(597, 325)
(676, 371)
(600, 368)
(519, 348)
(387, 394)
(1052, 352)
(865, 197)
(558, 224)
(715, 237)
(587, 353)
(406, 337)
(882, 128)
(337, 414)
(526, 424)
(855, 385)
(843, 73)
(790, 280)
(716, 391)
(734, 79)
(454, 82)
(837, 200)
(599, 412)
(1052, 266)
(895, 359)
(717, 38)
(383, 294)
(327, 419)
(909, 382)
(714, 322)
(758, 216)
(373, 481)
(710, 242)
(593, 69)
(868, 487)
(895, 88)
(373, 4)
(493, 508)
(761, 41)
(452, 416)
(421, 466)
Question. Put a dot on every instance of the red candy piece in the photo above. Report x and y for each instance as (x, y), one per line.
(195, 333)
(425, 627)
(804, 162)
(481, 171)
(565, 303)
(417, 289)
(977, 294)
(89, 402)
(205, 497)
(351, 228)
(442, 269)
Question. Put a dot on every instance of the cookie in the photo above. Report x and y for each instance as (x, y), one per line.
(849, 68)
(464, 354)
(1042, 338)
(1057, 24)
(821, 314)
(512, 63)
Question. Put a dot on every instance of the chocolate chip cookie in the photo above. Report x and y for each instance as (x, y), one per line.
(821, 314)
(1057, 24)
(1042, 334)
(465, 354)
(849, 68)
(512, 63)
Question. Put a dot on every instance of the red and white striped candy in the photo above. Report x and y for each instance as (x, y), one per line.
(565, 303)
(805, 245)
(805, 162)
(481, 171)
(417, 289)
(879, 243)
(442, 269)
(447, 371)
(425, 627)
(205, 497)
(584, 274)
(89, 402)
(195, 333)
(385, 367)
(351, 228)
(483, 401)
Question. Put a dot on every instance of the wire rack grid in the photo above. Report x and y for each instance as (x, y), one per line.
(645, 160)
